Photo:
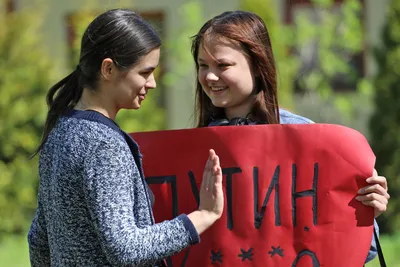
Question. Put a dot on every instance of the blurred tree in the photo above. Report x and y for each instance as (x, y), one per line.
(25, 74)
(385, 122)
(330, 62)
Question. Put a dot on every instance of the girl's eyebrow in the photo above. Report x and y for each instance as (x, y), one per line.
(224, 59)
(217, 60)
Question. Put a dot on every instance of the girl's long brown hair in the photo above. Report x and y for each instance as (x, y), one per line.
(248, 30)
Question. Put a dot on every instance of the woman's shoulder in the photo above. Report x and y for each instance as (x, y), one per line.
(287, 117)
(86, 127)
(86, 133)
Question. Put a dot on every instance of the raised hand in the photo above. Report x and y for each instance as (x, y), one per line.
(211, 195)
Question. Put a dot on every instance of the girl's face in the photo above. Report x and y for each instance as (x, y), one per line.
(226, 76)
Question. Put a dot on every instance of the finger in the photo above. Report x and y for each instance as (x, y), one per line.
(373, 197)
(218, 176)
(374, 172)
(379, 207)
(211, 153)
(376, 188)
(216, 161)
(207, 173)
(378, 180)
(211, 184)
(207, 168)
(212, 177)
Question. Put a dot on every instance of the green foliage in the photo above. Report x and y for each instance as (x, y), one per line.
(25, 73)
(385, 122)
(328, 27)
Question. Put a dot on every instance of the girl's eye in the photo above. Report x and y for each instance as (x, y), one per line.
(223, 65)
(202, 65)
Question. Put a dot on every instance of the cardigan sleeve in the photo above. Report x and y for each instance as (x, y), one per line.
(39, 250)
(107, 185)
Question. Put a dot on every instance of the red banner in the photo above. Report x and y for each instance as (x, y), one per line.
(289, 193)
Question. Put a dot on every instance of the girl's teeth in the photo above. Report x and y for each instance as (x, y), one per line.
(217, 88)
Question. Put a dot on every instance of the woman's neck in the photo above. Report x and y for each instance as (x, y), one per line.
(92, 100)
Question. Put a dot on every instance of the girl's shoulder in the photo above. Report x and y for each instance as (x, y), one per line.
(287, 117)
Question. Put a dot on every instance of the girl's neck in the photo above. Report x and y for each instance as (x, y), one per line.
(238, 112)
(242, 110)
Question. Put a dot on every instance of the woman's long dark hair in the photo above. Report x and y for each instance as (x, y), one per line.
(119, 34)
(249, 31)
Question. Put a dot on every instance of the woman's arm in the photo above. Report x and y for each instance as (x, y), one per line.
(107, 185)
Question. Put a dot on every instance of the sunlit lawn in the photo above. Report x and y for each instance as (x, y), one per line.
(14, 252)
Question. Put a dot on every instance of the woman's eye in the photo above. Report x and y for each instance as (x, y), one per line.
(146, 73)
(202, 65)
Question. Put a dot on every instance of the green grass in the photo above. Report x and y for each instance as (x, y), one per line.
(391, 251)
(14, 252)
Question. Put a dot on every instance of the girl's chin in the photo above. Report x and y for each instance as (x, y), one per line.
(220, 104)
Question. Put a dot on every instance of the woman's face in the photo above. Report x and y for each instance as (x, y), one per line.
(129, 88)
(226, 76)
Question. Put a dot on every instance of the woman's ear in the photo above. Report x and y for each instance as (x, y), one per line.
(107, 69)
